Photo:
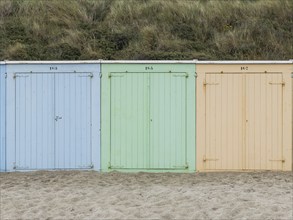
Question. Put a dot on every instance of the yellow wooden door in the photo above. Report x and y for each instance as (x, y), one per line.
(264, 121)
(224, 121)
(243, 121)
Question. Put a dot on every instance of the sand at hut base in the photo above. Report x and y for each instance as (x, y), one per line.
(92, 195)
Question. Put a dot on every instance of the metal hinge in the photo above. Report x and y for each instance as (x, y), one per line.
(186, 166)
(86, 166)
(180, 75)
(115, 167)
(19, 75)
(15, 167)
(283, 160)
(115, 75)
(205, 83)
(90, 75)
(209, 159)
(277, 83)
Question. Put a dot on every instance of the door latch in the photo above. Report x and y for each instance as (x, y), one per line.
(277, 83)
(209, 159)
(57, 118)
(282, 160)
(205, 83)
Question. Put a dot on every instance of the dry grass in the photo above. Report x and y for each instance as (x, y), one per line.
(146, 29)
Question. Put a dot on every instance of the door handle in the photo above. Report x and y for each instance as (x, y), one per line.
(57, 118)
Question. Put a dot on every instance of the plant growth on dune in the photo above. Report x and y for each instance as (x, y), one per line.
(145, 29)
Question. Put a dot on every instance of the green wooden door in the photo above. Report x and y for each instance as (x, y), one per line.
(129, 121)
(148, 121)
(168, 121)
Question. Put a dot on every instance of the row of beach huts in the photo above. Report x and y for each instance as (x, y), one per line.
(153, 116)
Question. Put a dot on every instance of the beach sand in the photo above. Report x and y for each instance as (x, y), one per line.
(93, 195)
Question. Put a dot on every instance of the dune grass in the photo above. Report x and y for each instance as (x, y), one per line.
(146, 29)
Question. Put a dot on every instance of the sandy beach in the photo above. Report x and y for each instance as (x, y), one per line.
(93, 195)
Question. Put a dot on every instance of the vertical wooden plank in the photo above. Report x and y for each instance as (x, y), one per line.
(116, 140)
(269, 121)
(60, 121)
(128, 136)
(177, 120)
(34, 137)
(155, 120)
(154, 128)
(225, 106)
(237, 122)
(183, 80)
(69, 120)
(222, 91)
(115, 121)
(274, 117)
(230, 127)
(138, 137)
(38, 99)
(262, 151)
(11, 131)
(279, 106)
(180, 122)
(258, 125)
(218, 121)
(250, 119)
(2, 118)
(242, 121)
(213, 122)
(168, 145)
(20, 115)
(22, 124)
(287, 117)
(208, 121)
(17, 128)
(46, 121)
(171, 100)
(72, 101)
(58, 131)
(27, 123)
(241, 132)
(233, 123)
